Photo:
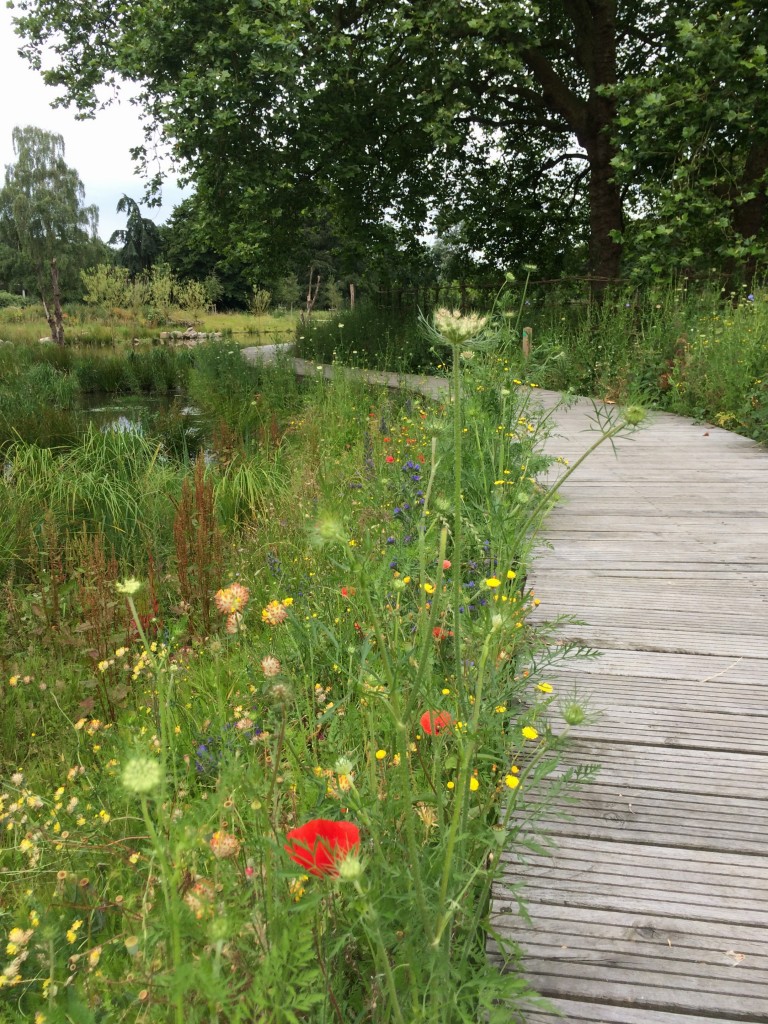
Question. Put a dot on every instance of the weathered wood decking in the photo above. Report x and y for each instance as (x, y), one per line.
(652, 907)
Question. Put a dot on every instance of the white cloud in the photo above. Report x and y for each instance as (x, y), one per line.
(98, 149)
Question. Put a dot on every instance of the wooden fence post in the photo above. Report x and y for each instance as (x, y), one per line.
(527, 341)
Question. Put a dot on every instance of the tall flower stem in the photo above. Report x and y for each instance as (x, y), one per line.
(457, 531)
(383, 956)
(163, 684)
(169, 882)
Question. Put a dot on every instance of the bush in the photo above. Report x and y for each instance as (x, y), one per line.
(9, 299)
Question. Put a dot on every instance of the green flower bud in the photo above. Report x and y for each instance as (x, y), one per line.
(634, 415)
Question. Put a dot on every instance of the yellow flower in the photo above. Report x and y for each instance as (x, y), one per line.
(492, 582)
(380, 755)
(530, 733)
(511, 575)
(544, 687)
(474, 784)
(274, 614)
(450, 785)
(511, 781)
(429, 588)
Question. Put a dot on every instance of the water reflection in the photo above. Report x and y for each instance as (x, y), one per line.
(177, 425)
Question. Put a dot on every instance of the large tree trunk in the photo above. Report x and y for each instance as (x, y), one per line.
(749, 218)
(590, 118)
(606, 215)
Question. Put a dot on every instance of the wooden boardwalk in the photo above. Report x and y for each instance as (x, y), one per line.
(652, 907)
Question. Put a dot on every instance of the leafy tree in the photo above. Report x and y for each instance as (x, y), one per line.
(507, 118)
(139, 240)
(694, 146)
(189, 249)
(44, 223)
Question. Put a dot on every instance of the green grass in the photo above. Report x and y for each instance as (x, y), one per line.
(84, 327)
(371, 337)
(692, 354)
(157, 761)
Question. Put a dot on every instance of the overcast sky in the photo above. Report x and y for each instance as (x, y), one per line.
(98, 149)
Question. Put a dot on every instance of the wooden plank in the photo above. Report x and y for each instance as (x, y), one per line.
(573, 1012)
(729, 774)
(659, 817)
(690, 667)
(673, 641)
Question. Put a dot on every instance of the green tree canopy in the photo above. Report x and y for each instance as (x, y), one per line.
(693, 139)
(508, 118)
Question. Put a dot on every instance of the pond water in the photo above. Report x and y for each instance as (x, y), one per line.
(179, 425)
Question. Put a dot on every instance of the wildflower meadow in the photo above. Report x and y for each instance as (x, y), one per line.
(269, 726)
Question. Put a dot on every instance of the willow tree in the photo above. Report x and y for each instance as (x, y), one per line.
(43, 217)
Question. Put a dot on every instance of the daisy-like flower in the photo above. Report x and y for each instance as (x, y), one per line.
(270, 666)
(232, 599)
(274, 614)
(234, 622)
(224, 845)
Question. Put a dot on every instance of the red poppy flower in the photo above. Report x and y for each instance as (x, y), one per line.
(390, 458)
(320, 844)
(441, 634)
(433, 722)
